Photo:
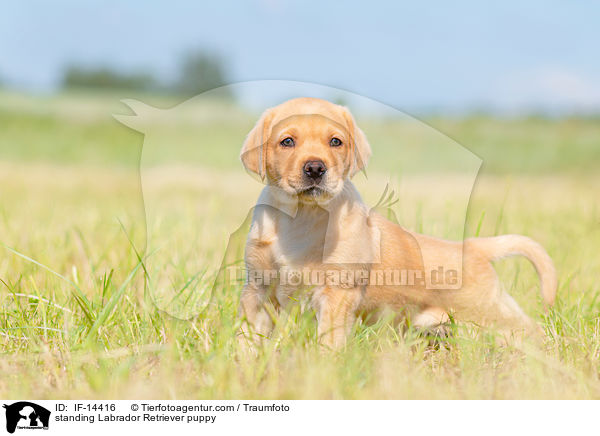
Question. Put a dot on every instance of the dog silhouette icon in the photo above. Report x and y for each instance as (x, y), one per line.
(28, 414)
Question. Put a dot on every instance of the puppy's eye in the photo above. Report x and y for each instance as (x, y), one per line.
(287, 142)
(335, 142)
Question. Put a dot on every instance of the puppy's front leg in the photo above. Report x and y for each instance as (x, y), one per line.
(336, 312)
(258, 320)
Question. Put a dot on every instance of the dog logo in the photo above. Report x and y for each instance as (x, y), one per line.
(26, 415)
(449, 169)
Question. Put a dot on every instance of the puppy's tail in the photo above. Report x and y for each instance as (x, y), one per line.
(498, 247)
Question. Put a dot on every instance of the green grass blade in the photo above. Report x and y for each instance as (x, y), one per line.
(108, 309)
(480, 223)
(80, 297)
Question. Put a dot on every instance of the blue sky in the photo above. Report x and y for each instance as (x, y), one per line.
(446, 56)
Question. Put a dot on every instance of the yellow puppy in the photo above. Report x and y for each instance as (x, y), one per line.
(311, 232)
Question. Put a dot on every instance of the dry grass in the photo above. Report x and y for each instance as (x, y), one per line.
(97, 333)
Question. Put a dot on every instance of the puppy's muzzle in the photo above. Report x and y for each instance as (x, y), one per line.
(314, 170)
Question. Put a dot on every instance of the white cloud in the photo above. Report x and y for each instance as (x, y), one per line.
(548, 89)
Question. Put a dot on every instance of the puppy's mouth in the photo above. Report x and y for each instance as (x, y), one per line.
(312, 191)
(315, 194)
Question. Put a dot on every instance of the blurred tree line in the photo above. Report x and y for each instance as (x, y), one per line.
(198, 71)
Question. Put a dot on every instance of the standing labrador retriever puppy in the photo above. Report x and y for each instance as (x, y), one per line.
(310, 221)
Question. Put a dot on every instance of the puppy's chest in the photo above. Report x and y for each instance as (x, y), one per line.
(291, 241)
(300, 240)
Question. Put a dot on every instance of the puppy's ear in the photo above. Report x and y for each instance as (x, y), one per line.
(254, 150)
(360, 148)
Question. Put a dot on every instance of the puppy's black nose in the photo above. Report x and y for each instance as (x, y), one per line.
(314, 169)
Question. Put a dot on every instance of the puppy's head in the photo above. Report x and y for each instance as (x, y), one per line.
(307, 147)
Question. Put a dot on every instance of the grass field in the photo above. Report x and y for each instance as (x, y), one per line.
(78, 319)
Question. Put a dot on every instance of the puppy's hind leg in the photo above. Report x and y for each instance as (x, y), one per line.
(511, 321)
(494, 308)
(433, 321)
